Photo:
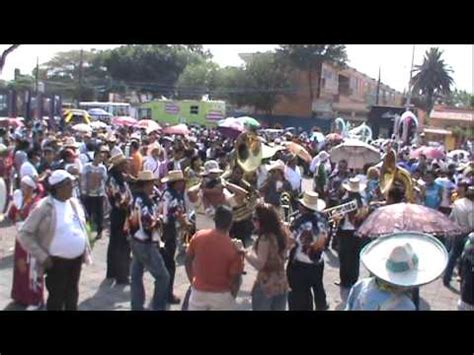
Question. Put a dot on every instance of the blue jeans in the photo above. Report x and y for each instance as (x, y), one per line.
(457, 247)
(260, 302)
(147, 256)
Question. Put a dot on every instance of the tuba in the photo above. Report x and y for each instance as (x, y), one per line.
(391, 174)
(248, 148)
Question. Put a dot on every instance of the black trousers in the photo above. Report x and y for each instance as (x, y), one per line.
(118, 252)
(169, 252)
(94, 206)
(242, 230)
(62, 283)
(304, 278)
(349, 260)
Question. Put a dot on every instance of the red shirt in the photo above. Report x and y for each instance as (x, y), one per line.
(216, 261)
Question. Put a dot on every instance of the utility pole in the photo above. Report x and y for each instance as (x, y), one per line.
(378, 90)
(80, 77)
(410, 89)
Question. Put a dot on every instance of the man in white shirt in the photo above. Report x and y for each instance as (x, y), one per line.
(293, 174)
(28, 168)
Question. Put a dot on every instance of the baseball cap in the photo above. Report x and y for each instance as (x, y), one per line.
(59, 176)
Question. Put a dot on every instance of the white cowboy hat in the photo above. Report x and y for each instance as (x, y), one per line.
(146, 175)
(405, 259)
(211, 167)
(173, 175)
(279, 165)
(312, 201)
(354, 185)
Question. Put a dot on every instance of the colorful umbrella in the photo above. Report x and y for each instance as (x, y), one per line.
(230, 127)
(149, 125)
(11, 122)
(249, 121)
(356, 153)
(124, 121)
(407, 217)
(82, 127)
(98, 125)
(180, 129)
(298, 150)
(429, 152)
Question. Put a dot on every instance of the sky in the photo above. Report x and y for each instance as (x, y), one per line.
(394, 60)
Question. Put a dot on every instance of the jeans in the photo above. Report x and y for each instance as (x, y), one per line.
(118, 251)
(260, 302)
(147, 256)
(349, 261)
(454, 254)
(94, 206)
(62, 283)
(303, 278)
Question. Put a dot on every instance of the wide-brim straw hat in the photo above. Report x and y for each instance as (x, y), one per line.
(152, 147)
(116, 160)
(173, 175)
(354, 185)
(146, 175)
(71, 143)
(312, 201)
(405, 259)
(276, 165)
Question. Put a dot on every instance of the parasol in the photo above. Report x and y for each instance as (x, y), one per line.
(124, 121)
(249, 122)
(452, 153)
(407, 217)
(11, 122)
(356, 153)
(180, 129)
(298, 150)
(82, 128)
(149, 125)
(98, 125)
(230, 127)
(429, 152)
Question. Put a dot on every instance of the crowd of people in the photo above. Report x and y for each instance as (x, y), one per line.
(158, 197)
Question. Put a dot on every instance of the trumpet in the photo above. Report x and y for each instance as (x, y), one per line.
(340, 210)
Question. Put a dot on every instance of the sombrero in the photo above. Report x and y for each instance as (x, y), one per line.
(116, 160)
(354, 185)
(405, 259)
(146, 175)
(173, 175)
(312, 201)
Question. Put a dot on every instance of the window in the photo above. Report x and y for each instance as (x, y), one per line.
(194, 110)
(3, 102)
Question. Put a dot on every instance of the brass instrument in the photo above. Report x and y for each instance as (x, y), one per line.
(248, 148)
(340, 210)
(392, 173)
(287, 207)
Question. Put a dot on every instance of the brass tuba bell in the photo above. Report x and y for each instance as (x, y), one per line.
(391, 173)
(248, 148)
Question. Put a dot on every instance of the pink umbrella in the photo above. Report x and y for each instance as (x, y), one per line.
(181, 129)
(429, 152)
(407, 217)
(124, 121)
(11, 122)
(149, 125)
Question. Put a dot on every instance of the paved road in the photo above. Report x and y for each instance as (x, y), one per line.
(97, 294)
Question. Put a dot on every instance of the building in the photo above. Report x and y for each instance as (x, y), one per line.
(345, 93)
(450, 125)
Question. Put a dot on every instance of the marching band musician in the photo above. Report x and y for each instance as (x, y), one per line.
(349, 244)
(275, 184)
(144, 242)
(306, 265)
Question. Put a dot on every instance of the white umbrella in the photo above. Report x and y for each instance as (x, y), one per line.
(98, 125)
(452, 153)
(82, 127)
(356, 153)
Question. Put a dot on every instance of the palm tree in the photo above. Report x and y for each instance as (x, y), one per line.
(432, 79)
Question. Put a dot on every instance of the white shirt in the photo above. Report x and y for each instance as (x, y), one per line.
(153, 165)
(294, 178)
(115, 150)
(28, 169)
(69, 241)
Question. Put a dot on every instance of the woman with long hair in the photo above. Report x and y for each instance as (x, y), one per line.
(268, 256)
(27, 288)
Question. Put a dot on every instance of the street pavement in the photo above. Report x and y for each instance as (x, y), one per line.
(95, 293)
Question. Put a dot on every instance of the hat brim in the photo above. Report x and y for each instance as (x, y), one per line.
(117, 163)
(167, 179)
(347, 187)
(432, 259)
(318, 207)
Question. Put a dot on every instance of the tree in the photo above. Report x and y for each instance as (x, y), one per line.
(197, 80)
(432, 79)
(459, 98)
(5, 53)
(310, 59)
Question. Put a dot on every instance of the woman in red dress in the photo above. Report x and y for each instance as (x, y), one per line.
(27, 289)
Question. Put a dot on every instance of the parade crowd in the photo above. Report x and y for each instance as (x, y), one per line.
(159, 196)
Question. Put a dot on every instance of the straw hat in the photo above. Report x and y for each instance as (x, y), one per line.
(173, 175)
(312, 201)
(152, 147)
(146, 175)
(354, 185)
(405, 259)
(211, 167)
(276, 165)
(116, 160)
(71, 143)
